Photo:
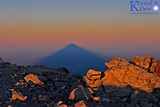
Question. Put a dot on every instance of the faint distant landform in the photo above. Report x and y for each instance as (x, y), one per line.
(76, 59)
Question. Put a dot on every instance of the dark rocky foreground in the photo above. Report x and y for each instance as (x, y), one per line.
(124, 84)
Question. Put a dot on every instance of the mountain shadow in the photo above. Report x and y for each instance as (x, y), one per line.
(76, 59)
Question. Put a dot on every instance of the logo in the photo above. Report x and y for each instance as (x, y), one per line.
(144, 7)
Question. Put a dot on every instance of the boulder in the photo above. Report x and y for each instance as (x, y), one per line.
(117, 61)
(60, 104)
(123, 73)
(97, 98)
(150, 64)
(81, 93)
(92, 74)
(33, 78)
(145, 104)
(93, 78)
(81, 103)
(17, 95)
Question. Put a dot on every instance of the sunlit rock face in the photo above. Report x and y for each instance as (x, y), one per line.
(150, 64)
(17, 95)
(121, 73)
(33, 78)
(93, 79)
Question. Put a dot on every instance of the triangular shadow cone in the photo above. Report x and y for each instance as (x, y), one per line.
(76, 59)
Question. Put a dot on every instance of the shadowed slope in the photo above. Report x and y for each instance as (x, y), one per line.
(75, 59)
(1, 60)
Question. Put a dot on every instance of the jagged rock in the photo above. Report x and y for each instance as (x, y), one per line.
(81, 93)
(93, 78)
(82, 103)
(9, 106)
(33, 78)
(117, 61)
(122, 73)
(150, 64)
(96, 98)
(60, 104)
(1, 60)
(92, 74)
(17, 95)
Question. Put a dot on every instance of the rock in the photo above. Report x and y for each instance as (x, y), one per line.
(33, 78)
(92, 74)
(60, 104)
(63, 69)
(117, 61)
(81, 93)
(97, 98)
(82, 103)
(17, 95)
(150, 64)
(9, 106)
(1, 60)
(123, 73)
(93, 78)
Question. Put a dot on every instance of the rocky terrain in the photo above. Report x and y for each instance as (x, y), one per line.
(124, 84)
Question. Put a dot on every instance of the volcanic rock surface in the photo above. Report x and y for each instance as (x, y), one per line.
(124, 84)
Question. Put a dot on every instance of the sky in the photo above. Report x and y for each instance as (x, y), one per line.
(33, 29)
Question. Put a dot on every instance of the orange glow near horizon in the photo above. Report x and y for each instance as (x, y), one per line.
(105, 33)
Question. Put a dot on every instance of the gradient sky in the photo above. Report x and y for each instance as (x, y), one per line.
(33, 29)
